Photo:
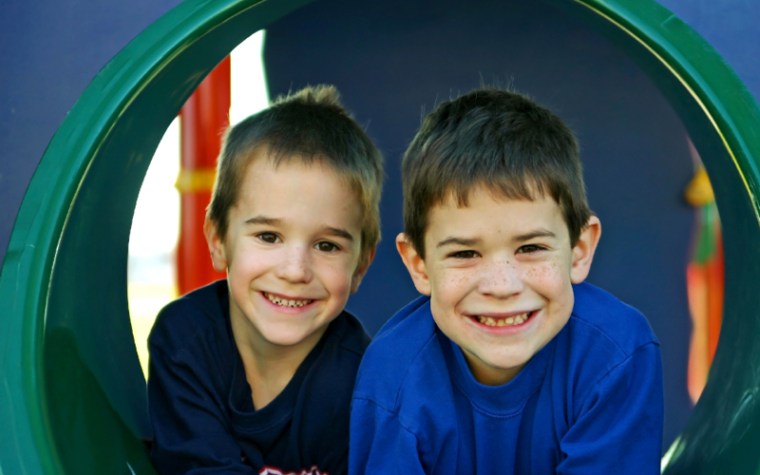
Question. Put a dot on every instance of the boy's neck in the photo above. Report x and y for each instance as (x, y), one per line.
(269, 368)
(268, 380)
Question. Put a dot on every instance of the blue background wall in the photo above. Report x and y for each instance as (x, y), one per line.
(393, 60)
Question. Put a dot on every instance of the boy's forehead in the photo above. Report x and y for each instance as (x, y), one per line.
(461, 197)
(265, 157)
(485, 209)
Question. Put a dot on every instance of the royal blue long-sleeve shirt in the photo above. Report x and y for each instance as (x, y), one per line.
(590, 402)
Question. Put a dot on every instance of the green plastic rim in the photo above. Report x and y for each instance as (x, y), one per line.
(69, 402)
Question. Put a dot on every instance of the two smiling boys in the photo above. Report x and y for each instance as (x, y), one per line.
(508, 363)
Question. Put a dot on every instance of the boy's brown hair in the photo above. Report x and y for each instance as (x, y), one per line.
(311, 126)
(498, 139)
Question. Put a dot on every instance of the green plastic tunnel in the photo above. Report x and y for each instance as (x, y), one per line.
(72, 396)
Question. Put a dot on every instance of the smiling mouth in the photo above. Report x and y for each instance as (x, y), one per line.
(283, 302)
(511, 321)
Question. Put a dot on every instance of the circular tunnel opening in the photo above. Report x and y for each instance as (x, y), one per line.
(71, 323)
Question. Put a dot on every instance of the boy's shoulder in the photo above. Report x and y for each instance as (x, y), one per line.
(605, 343)
(613, 321)
(197, 313)
(405, 334)
(405, 349)
(348, 333)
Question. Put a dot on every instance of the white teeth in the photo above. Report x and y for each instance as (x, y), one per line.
(286, 302)
(503, 322)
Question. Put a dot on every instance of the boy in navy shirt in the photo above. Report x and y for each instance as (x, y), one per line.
(508, 363)
(253, 374)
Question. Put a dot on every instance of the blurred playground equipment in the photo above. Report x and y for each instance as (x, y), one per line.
(72, 397)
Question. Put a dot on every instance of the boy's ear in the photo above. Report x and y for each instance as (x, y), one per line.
(583, 252)
(215, 246)
(414, 264)
(361, 270)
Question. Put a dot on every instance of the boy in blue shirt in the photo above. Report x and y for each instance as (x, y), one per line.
(253, 374)
(508, 363)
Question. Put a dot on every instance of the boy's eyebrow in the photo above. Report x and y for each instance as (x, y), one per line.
(259, 219)
(456, 241)
(539, 233)
(333, 231)
(340, 232)
(460, 241)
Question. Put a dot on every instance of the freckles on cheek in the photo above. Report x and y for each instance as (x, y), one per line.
(450, 285)
(550, 269)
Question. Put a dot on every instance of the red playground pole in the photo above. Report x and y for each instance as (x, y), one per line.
(203, 119)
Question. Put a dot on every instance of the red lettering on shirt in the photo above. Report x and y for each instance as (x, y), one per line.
(276, 471)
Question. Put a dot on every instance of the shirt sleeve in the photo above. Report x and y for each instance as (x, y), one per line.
(190, 435)
(618, 428)
(378, 442)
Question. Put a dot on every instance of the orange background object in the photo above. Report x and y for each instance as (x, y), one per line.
(203, 120)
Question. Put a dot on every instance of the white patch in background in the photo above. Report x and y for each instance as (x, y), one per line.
(155, 226)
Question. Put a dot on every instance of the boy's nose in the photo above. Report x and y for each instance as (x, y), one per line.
(296, 267)
(501, 279)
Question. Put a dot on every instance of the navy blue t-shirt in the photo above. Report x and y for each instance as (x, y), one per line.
(200, 401)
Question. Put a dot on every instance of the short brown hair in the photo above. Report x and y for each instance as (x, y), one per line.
(309, 125)
(499, 139)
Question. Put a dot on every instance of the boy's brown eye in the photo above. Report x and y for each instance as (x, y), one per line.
(529, 248)
(267, 237)
(326, 246)
(463, 254)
